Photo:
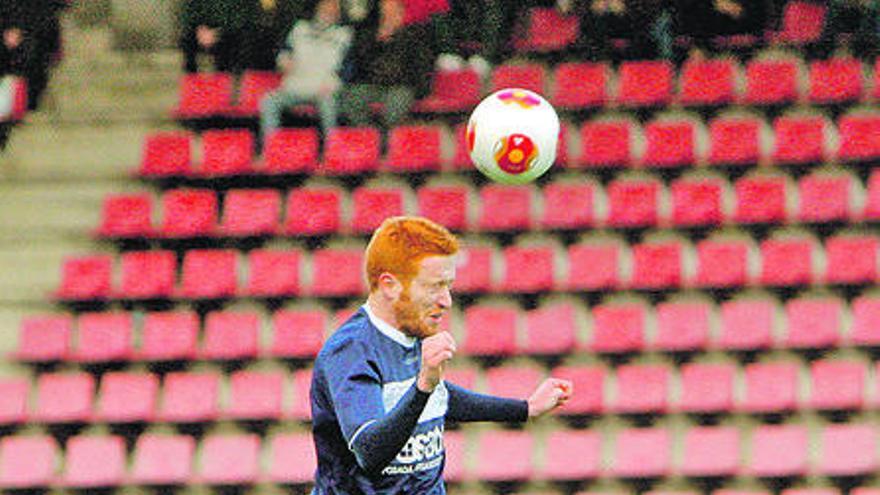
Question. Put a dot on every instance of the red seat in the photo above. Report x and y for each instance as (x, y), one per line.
(778, 451)
(255, 395)
(166, 154)
(203, 95)
(475, 273)
(529, 269)
(786, 262)
(454, 452)
(337, 272)
(548, 30)
(85, 277)
(746, 324)
(190, 397)
(771, 82)
(231, 335)
(605, 144)
(300, 409)
(837, 384)
(813, 323)
(351, 150)
(251, 212)
(682, 326)
(226, 152)
(633, 203)
(872, 202)
(657, 265)
(851, 259)
(760, 199)
(273, 273)
(505, 456)
(707, 82)
(835, 80)
(44, 338)
(103, 337)
(189, 213)
(230, 459)
(313, 211)
(463, 377)
(770, 387)
(517, 382)
(445, 204)
(254, 85)
(859, 137)
(127, 397)
(697, 202)
(490, 330)
(209, 274)
(572, 455)
(524, 76)
(825, 198)
(580, 85)
(14, 394)
(94, 461)
(641, 389)
(551, 329)
(865, 321)
(802, 22)
(642, 453)
(505, 207)
(162, 459)
(451, 92)
(722, 263)
(706, 388)
(568, 205)
(734, 141)
(848, 450)
(669, 143)
(169, 336)
(372, 205)
(594, 266)
(711, 452)
(645, 83)
(799, 140)
(126, 215)
(291, 151)
(148, 274)
(618, 328)
(293, 458)
(298, 333)
(589, 381)
(64, 397)
(414, 148)
(28, 461)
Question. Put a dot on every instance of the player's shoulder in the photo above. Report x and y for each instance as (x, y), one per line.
(353, 336)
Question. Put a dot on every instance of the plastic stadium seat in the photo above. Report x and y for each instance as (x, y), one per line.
(734, 141)
(641, 389)
(594, 266)
(64, 397)
(799, 139)
(452, 91)
(255, 395)
(103, 337)
(786, 262)
(824, 198)
(203, 95)
(711, 452)
(517, 382)
(14, 394)
(872, 202)
(44, 338)
(642, 453)
(548, 30)
(351, 150)
(231, 335)
(293, 458)
(254, 85)
(859, 138)
(835, 80)
(580, 85)
(189, 213)
(313, 211)
(618, 328)
(605, 143)
(273, 273)
(813, 323)
(447, 205)
(697, 202)
(127, 397)
(27, 461)
(528, 269)
(94, 461)
(490, 330)
(669, 143)
(572, 455)
(505, 207)
(85, 277)
(551, 329)
(126, 215)
(190, 397)
(722, 263)
(505, 456)
(645, 83)
(230, 459)
(337, 272)
(291, 151)
(414, 148)
(848, 450)
(169, 335)
(770, 387)
(251, 212)
(209, 274)
(802, 22)
(706, 388)
(298, 333)
(837, 384)
(760, 199)
(162, 459)
(633, 203)
(300, 409)
(147, 274)
(226, 152)
(778, 451)
(475, 273)
(568, 205)
(454, 446)
(372, 205)
(746, 324)
(865, 321)
(771, 82)
(462, 376)
(707, 82)
(589, 381)
(166, 154)
(682, 326)
(525, 76)
(851, 259)
(657, 265)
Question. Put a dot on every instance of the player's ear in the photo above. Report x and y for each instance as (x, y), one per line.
(390, 286)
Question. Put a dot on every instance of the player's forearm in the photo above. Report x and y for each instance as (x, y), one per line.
(466, 406)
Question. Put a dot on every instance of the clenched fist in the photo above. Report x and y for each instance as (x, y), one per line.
(436, 351)
(550, 394)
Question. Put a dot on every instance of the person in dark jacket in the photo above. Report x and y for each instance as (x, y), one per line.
(219, 28)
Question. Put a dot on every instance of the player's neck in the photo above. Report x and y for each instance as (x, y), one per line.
(381, 310)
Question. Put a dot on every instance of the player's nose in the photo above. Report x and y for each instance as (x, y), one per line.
(444, 300)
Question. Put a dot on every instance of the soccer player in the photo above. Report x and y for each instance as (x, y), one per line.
(379, 401)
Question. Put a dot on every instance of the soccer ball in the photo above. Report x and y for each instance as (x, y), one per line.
(512, 136)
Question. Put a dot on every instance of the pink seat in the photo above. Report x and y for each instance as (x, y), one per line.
(872, 202)
(414, 148)
(722, 263)
(813, 323)
(313, 211)
(837, 385)
(300, 409)
(711, 451)
(513, 381)
(786, 262)
(28, 461)
(645, 83)
(865, 321)
(190, 397)
(103, 337)
(85, 278)
(528, 269)
(293, 458)
(505, 207)
(291, 151)
(641, 389)
(594, 266)
(618, 328)
(760, 199)
(505, 456)
(835, 80)
(189, 213)
(475, 272)
(253, 87)
(126, 216)
(569, 206)
(669, 143)
(746, 324)
(548, 31)
(859, 137)
(337, 272)
(273, 273)
(682, 326)
(230, 459)
(445, 204)
(148, 274)
(451, 92)
(351, 150)
(707, 82)
(799, 140)
(697, 202)
(551, 329)
(64, 398)
(44, 338)
(633, 203)
(251, 212)
(802, 22)
(580, 85)
(770, 387)
(605, 144)
(94, 461)
(778, 451)
(162, 459)
(490, 331)
(226, 152)
(209, 274)
(454, 446)
(526, 76)
(734, 141)
(642, 453)
(203, 95)
(298, 333)
(166, 154)
(372, 205)
(127, 397)
(231, 335)
(657, 265)
(848, 450)
(14, 394)
(706, 388)
(825, 198)
(572, 455)
(169, 336)
(255, 395)
(771, 82)
(589, 381)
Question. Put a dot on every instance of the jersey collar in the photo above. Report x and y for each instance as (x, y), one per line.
(389, 331)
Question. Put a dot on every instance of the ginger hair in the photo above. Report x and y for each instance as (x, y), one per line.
(401, 243)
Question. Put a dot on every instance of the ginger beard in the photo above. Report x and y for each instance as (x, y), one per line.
(415, 319)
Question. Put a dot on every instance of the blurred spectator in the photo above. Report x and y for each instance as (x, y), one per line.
(310, 60)
(644, 24)
(219, 28)
(705, 20)
(272, 23)
(859, 19)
